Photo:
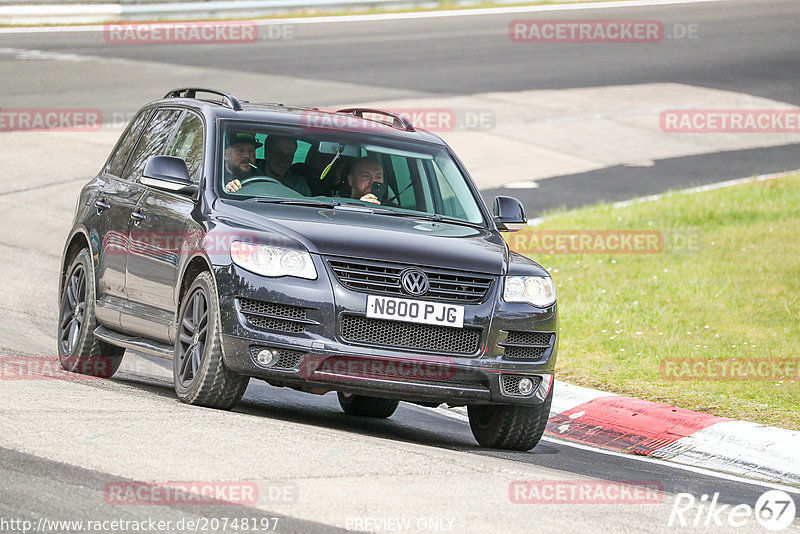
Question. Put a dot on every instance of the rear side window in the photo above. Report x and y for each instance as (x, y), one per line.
(188, 144)
(117, 162)
(153, 142)
(301, 152)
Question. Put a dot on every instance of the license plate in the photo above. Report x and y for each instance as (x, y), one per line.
(415, 311)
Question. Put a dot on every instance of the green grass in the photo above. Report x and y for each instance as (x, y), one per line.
(735, 295)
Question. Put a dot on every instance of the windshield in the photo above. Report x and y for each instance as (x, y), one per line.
(344, 168)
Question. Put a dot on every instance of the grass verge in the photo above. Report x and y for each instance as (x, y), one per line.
(707, 321)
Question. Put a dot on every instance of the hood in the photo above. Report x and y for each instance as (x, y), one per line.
(361, 234)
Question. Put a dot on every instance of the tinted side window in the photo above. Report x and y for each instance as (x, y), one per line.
(153, 141)
(302, 152)
(449, 198)
(188, 144)
(117, 162)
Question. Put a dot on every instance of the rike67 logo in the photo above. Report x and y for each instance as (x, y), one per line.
(774, 510)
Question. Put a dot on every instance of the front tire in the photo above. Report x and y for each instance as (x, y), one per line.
(198, 370)
(79, 351)
(364, 406)
(517, 428)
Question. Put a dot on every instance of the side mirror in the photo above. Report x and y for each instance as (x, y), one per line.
(168, 173)
(509, 215)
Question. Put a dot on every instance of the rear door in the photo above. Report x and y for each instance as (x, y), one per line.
(163, 234)
(108, 226)
(122, 195)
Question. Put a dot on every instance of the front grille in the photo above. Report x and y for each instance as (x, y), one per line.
(274, 316)
(395, 334)
(522, 345)
(269, 323)
(384, 279)
(519, 337)
(509, 385)
(524, 353)
(273, 309)
(287, 359)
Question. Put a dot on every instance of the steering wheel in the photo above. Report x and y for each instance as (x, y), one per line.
(260, 179)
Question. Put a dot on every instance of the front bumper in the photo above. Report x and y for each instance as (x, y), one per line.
(313, 356)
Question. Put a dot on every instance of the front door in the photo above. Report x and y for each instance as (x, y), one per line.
(163, 233)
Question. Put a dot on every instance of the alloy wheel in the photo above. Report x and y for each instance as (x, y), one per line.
(73, 307)
(192, 337)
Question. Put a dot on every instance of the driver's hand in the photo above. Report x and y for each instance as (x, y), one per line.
(233, 186)
(369, 197)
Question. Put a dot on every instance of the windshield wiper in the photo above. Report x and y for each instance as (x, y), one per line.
(300, 202)
(425, 216)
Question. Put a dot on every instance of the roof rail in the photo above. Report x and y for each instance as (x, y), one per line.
(398, 121)
(191, 92)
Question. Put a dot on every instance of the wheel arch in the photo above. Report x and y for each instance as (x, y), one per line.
(196, 265)
(77, 242)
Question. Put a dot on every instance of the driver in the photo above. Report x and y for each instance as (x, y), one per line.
(240, 158)
(278, 157)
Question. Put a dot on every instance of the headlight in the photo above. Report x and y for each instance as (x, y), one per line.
(273, 261)
(537, 290)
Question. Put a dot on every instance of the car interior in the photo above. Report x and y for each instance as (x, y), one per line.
(411, 180)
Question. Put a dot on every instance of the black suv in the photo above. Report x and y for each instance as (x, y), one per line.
(345, 252)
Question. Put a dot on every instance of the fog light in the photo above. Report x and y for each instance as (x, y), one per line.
(265, 357)
(526, 386)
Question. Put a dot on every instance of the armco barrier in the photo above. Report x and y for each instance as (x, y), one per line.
(35, 12)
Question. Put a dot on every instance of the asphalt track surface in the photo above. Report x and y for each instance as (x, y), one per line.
(750, 47)
(616, 183)
(743, 46)
(37, 487)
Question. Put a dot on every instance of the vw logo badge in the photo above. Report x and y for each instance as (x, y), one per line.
(414, 282)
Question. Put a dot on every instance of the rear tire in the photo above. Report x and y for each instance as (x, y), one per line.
(198, 370)
(517, 428)
(79, 351)
(364, 406)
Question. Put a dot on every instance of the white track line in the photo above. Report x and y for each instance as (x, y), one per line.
(693, 469)
(395, 16)
(691, 190)
(704, 188)
(684, 467)
(699, 470)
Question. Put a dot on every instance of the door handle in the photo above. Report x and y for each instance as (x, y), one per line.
(101, 205)
(138, 216)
